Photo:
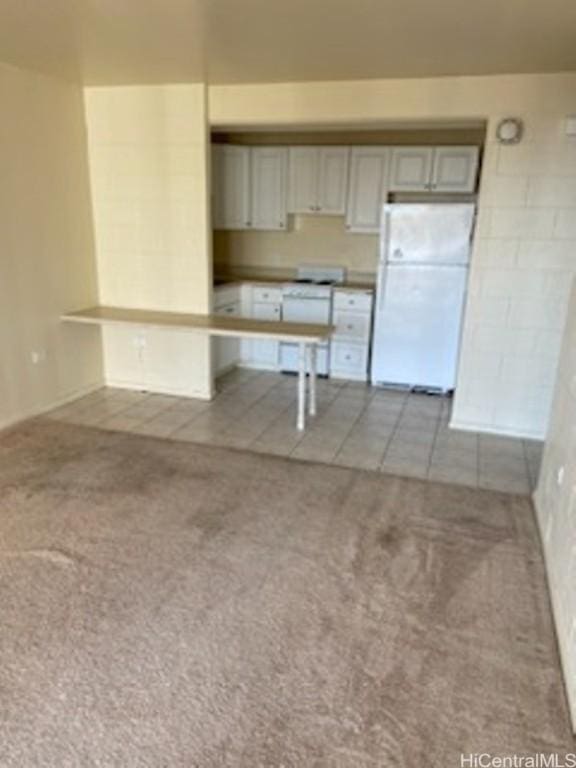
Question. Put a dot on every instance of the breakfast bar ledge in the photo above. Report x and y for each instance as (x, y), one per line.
(306, 335)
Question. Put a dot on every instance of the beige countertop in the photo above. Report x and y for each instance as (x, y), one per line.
(220, 281)
(213, 325)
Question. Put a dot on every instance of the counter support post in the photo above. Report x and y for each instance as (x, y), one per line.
(302, 355)
(312, 351)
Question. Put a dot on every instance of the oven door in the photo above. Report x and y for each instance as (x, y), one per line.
(303, 310)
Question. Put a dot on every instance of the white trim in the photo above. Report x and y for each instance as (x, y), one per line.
(163, 390)
(467, 426)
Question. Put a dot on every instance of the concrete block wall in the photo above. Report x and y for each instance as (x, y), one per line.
(555, 501)
(524, 259)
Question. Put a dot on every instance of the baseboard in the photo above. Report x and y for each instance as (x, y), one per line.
(173, 391)
(258, 366)
(344, 376)
(58, 403)
(562, 645)
(467, 426)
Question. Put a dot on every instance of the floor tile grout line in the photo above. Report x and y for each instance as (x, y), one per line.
(193, 418)
(389, 438)
(146, 396)
(433, 446)
(277, 416)
(348, 433)
(394, 431)
(531, 483)
(213, 403)
(304, 434)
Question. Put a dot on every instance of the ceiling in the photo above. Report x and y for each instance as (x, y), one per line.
(243, 41)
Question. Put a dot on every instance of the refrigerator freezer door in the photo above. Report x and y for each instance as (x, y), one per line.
(417, 326)
(415, 233)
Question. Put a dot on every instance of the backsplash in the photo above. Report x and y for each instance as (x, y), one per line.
(310, 240)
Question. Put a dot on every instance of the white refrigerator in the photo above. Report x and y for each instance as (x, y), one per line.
(421, 291)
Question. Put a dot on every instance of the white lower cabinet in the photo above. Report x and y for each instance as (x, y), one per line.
(226, 351)
(349, 361)
(350, 349)
(261, 302)
(265, 352)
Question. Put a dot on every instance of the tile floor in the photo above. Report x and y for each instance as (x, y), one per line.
(356, 426)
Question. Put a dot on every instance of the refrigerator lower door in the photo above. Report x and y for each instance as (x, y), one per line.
(417, 326)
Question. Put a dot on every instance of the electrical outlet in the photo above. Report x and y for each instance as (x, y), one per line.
(139, 341)
(560, 476)
(38, 356)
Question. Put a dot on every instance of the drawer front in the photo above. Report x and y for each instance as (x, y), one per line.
(229, 310)
(225, 295)
(350, 358)
(356, 300)
(263, 294)
(352, 325)
(264, 310)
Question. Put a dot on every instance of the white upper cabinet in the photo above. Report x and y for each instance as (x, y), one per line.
(332, 179)
(269, 167)
(455, 169)
(411, 169)
(368, 188)
(249, 187)
(303, 180)
(231, 184)
(434, 169)
(318, 180)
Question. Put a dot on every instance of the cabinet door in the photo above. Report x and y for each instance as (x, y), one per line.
(349, 361)
(225, 350)
(367, 189)
(411, 169)
(332, 180)
(268, 187)
(216, 187)
(455, 169)
(265, 352)
(232, 187)
(303, 180)
(352, 326)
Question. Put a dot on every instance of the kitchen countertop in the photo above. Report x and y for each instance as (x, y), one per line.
(221, 281)
(213, 325)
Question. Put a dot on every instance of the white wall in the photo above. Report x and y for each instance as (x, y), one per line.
(148, 149)
(525, 251)
(555, 501)
(47, 263)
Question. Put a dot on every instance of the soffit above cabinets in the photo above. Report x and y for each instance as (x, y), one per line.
(107, 42)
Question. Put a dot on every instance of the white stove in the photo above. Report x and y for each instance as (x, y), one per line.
(309, 300)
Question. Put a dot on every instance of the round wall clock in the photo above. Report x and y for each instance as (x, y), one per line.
(509, 130)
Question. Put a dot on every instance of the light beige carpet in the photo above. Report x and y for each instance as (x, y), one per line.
(164, 604)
